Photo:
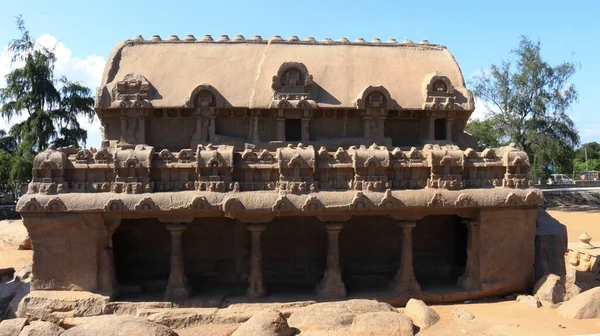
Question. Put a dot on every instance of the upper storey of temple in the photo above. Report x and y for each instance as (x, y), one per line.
(257, 73)
(178, 94)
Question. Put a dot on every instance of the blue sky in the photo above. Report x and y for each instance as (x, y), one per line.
(478, 33)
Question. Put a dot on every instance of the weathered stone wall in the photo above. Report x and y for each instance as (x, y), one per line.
(507, 250)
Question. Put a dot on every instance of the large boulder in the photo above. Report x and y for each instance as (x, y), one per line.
(269, 322)
(550, 289)
(115, 325)
(583, 306)
(421, 315)
(528, 301)
(24, 274)
(7, 293)
(328, 315)
(41, 328)
(381, 324)
(54, 306)
(12, 232)
(550, 245)
(6, 274)
(13, 305)
(12, 327)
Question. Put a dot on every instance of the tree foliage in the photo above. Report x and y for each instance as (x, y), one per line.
(50, 107)
(528, 101)
(485, 132)
(592, 151)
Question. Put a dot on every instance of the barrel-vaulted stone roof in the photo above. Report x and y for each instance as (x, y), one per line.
(242, 70)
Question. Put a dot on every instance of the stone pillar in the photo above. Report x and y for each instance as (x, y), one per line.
(449, 129)
(305, 130)
(332, 286)
(367, 127)
(405, 281)
(142, 128)
(470, 279)
(432, 128)
(123, 128)
(177, 287)
(254, 126)
(211, 128)
(255, 280)
(280, 129)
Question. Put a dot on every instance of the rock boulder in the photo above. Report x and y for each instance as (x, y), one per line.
(583, 306)
(421, 315)
(41, 328)
(528, 301)
(463, 314)
(12, 327)
(269, 322)
(550, 288)
(381, 324)
(114, 325)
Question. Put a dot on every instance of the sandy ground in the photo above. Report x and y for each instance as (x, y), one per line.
(491, 318)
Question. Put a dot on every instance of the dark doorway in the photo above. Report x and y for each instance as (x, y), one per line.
(142, 249)
(293, 130)
(440, 129)
(439, 251)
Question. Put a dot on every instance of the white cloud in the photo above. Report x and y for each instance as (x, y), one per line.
(87, 71)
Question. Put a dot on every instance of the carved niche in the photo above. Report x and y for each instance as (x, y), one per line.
(292, 82)
(439, 94)
(204, 96)
(132, 91)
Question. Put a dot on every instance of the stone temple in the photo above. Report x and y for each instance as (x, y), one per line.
(264, 167)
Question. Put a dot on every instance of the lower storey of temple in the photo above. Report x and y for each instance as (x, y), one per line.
(437, 256)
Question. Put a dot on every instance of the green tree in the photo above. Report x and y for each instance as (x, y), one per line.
(528, 103)
(485, 132)
(51, 106)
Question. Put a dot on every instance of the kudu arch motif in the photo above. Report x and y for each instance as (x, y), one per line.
(271, 132)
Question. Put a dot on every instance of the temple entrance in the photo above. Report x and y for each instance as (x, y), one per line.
(293, 130)
(439, 251)
(142, 257)
(370, 252)
(294, 252)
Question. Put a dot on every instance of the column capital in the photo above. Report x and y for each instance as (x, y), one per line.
(334, 226)
(176, 226)
(256, 227)
(407, 224)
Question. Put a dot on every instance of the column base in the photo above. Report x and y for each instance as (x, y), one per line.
(331, 286)
(403, 286)
(256, 291)
(177, 293)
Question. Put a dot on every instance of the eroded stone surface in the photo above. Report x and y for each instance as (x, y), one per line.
(463, 314)
(41, 328)
(550, 288)
(53, 306)
(12, 327)
(529, 301)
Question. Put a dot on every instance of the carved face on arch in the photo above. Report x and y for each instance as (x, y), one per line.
(376, 100)
(440, 86)
(292, 78)
(205, 99)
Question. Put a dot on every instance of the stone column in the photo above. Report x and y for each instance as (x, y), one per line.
(449, 129)
(432, 128)
(470, 279)
(255, 280)
(367, 127)
(305, 130)
(211, 128)
(280, 129)
(123, 127)
(142, 128)
(177, 287)
(332, 286)
(405, 281)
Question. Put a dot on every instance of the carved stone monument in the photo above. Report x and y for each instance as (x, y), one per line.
(259, 167)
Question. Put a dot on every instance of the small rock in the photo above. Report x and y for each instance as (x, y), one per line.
(571, 291)
(463, 314)
(583, 306)
(12, 327)
(528, 301)
(25, 244)
(381, 324)
(24, 274)
(269, 322)
(421, 315)
(114, 325)
(550, 288)
(41, 328)
(464, 331)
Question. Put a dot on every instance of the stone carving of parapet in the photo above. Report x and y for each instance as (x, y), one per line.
(215, 167)
(177, 170)
(370, 166)
(49, 171)
(132, 170)
(517, 168)
(335, 171)
(446, 168)
(296, 168)
(258, 170)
